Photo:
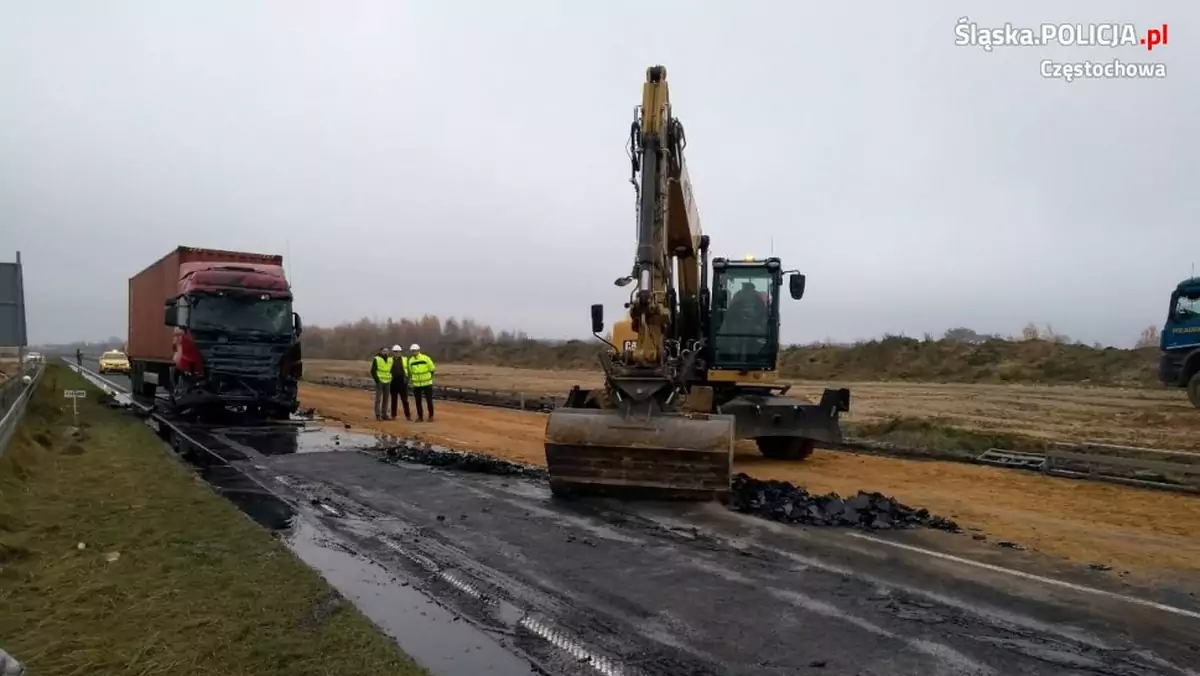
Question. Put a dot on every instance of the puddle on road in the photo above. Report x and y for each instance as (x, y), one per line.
(264, 507)
(429, 633)
(289, 439)
(438, 639)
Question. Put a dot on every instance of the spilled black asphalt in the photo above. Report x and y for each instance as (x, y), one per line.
(776, 500)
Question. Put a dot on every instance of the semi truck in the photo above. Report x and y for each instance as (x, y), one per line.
(1179, 363)
(213, 332)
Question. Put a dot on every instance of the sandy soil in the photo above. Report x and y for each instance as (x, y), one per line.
(1140, 417)
(1149, 533)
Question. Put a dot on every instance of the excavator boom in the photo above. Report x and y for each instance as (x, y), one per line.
(638, 436)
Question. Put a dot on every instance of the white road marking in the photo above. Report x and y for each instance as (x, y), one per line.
(1183, 612)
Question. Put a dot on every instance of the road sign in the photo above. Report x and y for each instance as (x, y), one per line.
(75, 396)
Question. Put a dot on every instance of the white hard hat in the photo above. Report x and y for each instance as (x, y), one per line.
(414, 348)
(395, 348)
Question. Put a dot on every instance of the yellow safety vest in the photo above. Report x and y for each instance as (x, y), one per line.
(420, 370)
(383, 369)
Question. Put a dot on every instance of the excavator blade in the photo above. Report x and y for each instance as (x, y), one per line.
(668, 456)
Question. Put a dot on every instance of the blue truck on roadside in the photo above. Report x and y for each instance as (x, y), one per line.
(1179, 365)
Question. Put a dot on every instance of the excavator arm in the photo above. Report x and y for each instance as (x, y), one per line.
(632, 436)
(671, 260)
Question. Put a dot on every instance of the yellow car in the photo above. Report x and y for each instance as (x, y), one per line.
(114, 361)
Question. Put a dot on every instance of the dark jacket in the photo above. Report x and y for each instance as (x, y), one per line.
(399, 377)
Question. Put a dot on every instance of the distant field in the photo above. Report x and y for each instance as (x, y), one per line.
(1136, 416)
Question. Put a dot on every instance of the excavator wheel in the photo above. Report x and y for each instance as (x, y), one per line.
(659, 457)
(785, 448)
(1193, 389)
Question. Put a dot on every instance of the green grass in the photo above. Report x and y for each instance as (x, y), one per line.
(197, 587)
(938, 435)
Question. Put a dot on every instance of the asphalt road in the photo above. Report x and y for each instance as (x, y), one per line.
(658, 589)
(92, 364)
(697, 589)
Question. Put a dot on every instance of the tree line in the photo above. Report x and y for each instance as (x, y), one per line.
(1036, 354)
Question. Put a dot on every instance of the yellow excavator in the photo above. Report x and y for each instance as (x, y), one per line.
(693, 365)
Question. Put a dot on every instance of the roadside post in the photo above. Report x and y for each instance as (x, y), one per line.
(75, 396)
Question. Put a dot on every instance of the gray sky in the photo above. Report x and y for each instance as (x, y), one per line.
(467, 158)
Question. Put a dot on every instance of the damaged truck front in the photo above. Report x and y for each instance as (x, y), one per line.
(214, 331)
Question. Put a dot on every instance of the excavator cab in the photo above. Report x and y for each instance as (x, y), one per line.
(743, 334)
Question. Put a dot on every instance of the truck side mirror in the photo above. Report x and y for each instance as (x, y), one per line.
(597, 318)
(171, 317)
(796, 282)
(296, 323)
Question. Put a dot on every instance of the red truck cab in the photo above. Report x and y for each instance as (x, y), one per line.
(215, 330)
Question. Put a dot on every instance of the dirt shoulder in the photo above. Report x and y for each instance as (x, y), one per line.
(114, 559)
(1149, 533)
(1140, 417)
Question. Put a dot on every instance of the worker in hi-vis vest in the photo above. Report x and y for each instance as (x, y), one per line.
(420, 376)
(381, 373)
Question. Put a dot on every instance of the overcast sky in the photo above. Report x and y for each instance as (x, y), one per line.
(467, 158)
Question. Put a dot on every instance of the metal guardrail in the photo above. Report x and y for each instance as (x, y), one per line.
(14, 396)
(468, 395)
(1131, 465)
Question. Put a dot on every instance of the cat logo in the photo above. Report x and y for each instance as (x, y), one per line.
(628, 346)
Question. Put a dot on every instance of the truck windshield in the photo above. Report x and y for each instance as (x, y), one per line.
(1187, 308)
(241, 313)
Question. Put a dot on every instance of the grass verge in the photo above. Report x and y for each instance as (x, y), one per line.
(935, 434)
(170, 579)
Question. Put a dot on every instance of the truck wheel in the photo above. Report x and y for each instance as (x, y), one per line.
(1193, 389)
(785, 448)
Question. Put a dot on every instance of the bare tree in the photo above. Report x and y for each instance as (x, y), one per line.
(1149, 337)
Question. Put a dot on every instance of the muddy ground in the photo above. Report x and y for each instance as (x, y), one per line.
(1150, 534)
(1144, 417)
(655, 589)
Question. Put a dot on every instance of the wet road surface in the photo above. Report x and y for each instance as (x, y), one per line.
(618, 588)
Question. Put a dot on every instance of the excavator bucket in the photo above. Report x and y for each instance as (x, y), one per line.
(671, 456)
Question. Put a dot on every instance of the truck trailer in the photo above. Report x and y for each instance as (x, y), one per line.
(213, 332)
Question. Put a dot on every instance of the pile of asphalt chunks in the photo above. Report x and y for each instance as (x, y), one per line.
(788, 503)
